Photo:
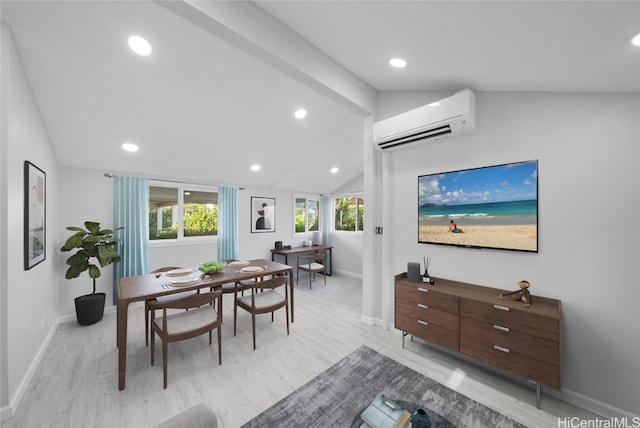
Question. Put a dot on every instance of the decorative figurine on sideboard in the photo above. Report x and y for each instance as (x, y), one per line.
(523, 294)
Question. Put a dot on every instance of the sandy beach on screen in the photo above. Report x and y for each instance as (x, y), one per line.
(521, 237)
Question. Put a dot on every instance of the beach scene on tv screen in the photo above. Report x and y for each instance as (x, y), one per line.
(490, 207)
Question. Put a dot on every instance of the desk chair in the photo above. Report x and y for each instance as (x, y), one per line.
(311, 264)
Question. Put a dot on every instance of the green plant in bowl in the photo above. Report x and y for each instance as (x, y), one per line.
(211, 267)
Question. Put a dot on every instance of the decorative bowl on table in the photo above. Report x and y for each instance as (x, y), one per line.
(211, 267)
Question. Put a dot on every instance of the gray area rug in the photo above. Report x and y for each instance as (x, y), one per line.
(337, 396)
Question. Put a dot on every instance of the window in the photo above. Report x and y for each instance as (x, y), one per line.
(306, 215)
(182, 212)
(349, 214)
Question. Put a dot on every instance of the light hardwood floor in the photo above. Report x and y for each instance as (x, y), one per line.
(76, 384)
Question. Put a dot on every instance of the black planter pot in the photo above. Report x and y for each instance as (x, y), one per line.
(90, 308)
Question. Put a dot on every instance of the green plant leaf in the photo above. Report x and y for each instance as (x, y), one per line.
(74, 271)
(93, 238)
(72, 242)
(92, 226)
(78, 258)
(94, 271)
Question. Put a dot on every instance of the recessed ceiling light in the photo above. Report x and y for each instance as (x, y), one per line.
(636, 40)
(300, 113)
(397, 63)
(255, 167)
(334, 170)
(434, 104)
(139, 45)
(130, 147)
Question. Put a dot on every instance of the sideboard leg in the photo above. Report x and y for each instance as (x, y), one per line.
(537, 395)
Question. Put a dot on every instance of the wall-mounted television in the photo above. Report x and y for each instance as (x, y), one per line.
(489, 207)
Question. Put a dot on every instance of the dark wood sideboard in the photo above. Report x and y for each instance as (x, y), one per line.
(474, 321)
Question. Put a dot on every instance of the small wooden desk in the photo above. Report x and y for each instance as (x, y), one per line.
(296, 250)
(145, 287)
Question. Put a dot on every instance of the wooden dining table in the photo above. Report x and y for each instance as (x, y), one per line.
(144, 287)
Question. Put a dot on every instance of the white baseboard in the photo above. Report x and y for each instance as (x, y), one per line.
(8, 411)
(5, 413)
(603, 409)
(371, 321)
(347, 273)
(367, 320)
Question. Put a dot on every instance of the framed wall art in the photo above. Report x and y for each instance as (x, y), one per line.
(35, 198)
(263, 215)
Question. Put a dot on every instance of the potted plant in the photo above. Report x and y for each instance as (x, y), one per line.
(91, 243)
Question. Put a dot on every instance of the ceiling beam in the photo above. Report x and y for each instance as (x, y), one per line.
(250, 28)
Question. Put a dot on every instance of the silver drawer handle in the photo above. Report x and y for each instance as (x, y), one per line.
(501, 349)
(502, 308)
(501, 328)
(420, 305)
(423, 322)
(424, 290)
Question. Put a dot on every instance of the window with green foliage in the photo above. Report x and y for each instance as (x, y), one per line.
(181, 212)
(349, 214)
(306, 215)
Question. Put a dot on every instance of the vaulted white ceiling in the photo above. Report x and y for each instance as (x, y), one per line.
(219, 90)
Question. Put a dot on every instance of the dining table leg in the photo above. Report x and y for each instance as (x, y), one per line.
(122, 309)
(290, 272)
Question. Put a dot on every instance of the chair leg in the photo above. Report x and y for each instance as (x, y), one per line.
(164, 361)
(309, 280)
(146, 323)
(286, 311)
(235, 315)
(219, 345)
(253, 326)
(153, 335)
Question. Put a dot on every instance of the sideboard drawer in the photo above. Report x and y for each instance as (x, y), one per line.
(428, 331)
(522, 319)
(511, 360)
(420, 311)
(427, 296)
(527, 344)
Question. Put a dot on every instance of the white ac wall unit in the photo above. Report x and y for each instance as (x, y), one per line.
(451, 116)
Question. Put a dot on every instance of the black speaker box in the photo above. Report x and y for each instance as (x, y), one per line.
(413, 272)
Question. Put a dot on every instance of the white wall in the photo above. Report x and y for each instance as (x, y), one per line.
(589, 163)
(30, 297)
(347, 251)
(85, 195)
